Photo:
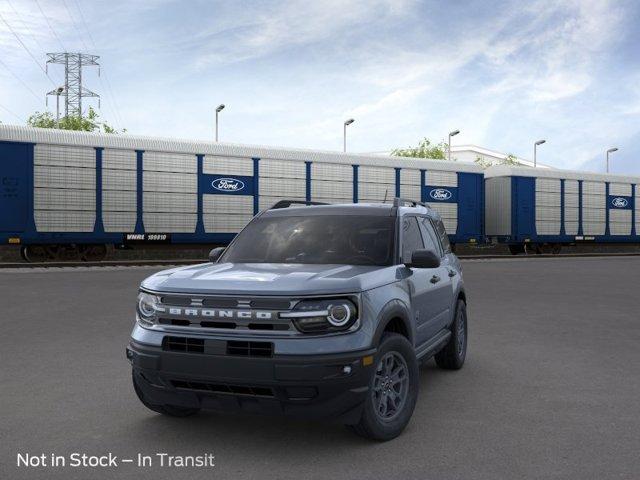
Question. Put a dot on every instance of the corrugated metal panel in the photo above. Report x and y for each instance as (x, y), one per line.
(282, 169)
(593, 228)
(571, 218)
(376, 175)
(547, 199)
(449, 214)
(64, 156)
(571, 186)
(123, 222)
(571, 228)
(119, 180)
(280, 186)
(268, 201)
(170, 223)
(64, 177)
(620, 221)
(169, 162)
(228, 204)
(170, 202)
(508, 171)
(409, 176)
(441, 179)
(332, 200)
(227, 165)
(119, 201)
(331, 189)
(119, 159)
(130, 142)
(620, 189)
(594, 188)
(376, 191)
(225, 223)
(169, 182)
(498, 206)
(548, 185)
(64, 220)
(637, 201)
(328, 171)
(64, 199)
(548, 210)
(412, 192)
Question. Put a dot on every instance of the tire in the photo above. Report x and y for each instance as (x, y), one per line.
(452, 356)
(380, 420)
(169, 410)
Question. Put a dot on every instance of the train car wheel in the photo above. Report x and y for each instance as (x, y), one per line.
(515, 249)
(556, 248)
(34, 253)
(93, 253)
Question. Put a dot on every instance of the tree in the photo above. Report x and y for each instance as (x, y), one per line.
(425, 149)
(88, 123)
(510, 159)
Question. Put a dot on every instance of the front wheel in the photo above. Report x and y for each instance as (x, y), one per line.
(452, 356)
(393, 390)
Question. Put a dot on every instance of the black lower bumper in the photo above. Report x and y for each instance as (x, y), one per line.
(307, 386)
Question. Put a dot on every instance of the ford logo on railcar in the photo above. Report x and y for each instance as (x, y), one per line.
(619, 202)
(228, 184)
(440, 194)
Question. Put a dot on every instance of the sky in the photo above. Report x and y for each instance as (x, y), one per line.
(505, 73)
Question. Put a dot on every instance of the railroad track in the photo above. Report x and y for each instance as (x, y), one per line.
(178, 262)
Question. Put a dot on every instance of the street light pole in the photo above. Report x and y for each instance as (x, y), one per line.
(219, 108)
(451, 134)
(344, 133)
(611, 150)
(535, 152)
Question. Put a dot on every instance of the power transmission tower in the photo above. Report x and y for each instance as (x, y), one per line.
(73, 91)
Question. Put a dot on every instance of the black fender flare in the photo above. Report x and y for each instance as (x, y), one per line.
(394, 309)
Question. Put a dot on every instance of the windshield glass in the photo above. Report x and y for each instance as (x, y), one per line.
(322, 239)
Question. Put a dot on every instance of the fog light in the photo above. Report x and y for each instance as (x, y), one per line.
(346, 369)
(129, 354)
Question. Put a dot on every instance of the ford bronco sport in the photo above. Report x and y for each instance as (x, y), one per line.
(319, 311)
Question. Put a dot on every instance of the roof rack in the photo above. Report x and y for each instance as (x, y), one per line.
(288, 203)
(405, 202)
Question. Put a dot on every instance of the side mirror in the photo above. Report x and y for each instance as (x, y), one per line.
(215, 254)
(424, 259)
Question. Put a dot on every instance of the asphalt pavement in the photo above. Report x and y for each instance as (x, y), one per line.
(551, 387)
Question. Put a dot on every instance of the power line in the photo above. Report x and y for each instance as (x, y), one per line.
(50, 27)
(73, 22)
(12, 113)
(112, 99)
(27, 49)
(20, 80)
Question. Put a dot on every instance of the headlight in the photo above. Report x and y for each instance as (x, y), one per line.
(323, 315)
(147, 308)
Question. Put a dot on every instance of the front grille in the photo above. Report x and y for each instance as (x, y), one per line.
(250, 349)
(183, 344)
(224, 388)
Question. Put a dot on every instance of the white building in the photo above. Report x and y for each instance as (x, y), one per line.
(469, 154)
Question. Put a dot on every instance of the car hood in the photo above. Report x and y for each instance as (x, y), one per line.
(270, 279)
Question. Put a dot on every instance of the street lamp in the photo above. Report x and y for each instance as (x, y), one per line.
(451, 134)
(611, 150)
(344, 135)
(535, 151)
(218, 110)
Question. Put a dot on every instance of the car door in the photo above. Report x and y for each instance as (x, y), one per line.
(441, 295)
(422, 283)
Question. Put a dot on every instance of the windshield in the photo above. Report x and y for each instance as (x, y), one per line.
(318, 239)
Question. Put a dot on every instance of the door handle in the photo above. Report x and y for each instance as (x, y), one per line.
(435, 279)
(452, 273)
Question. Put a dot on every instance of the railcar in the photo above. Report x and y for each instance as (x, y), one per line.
(72, 194)
(540, 210)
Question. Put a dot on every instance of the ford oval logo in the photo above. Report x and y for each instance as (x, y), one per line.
(440, 194)
(227, 184)
(620, 202)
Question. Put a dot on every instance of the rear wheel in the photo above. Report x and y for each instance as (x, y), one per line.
(393, 390)
(452, 356)
(169, 410)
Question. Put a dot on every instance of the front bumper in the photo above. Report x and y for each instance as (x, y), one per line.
(308, 386)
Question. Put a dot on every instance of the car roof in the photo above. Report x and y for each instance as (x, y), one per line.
(359, 209)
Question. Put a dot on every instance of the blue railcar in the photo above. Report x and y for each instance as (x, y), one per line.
(541, 210)
(74, 193)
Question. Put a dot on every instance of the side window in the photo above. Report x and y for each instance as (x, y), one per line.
(431, 241)
(411, 238)
(442, 233)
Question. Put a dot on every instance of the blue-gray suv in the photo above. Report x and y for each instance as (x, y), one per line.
(320, 311)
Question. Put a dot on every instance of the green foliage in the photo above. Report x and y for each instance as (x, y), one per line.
(88, 123)
(425, 149)
(510, 159)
